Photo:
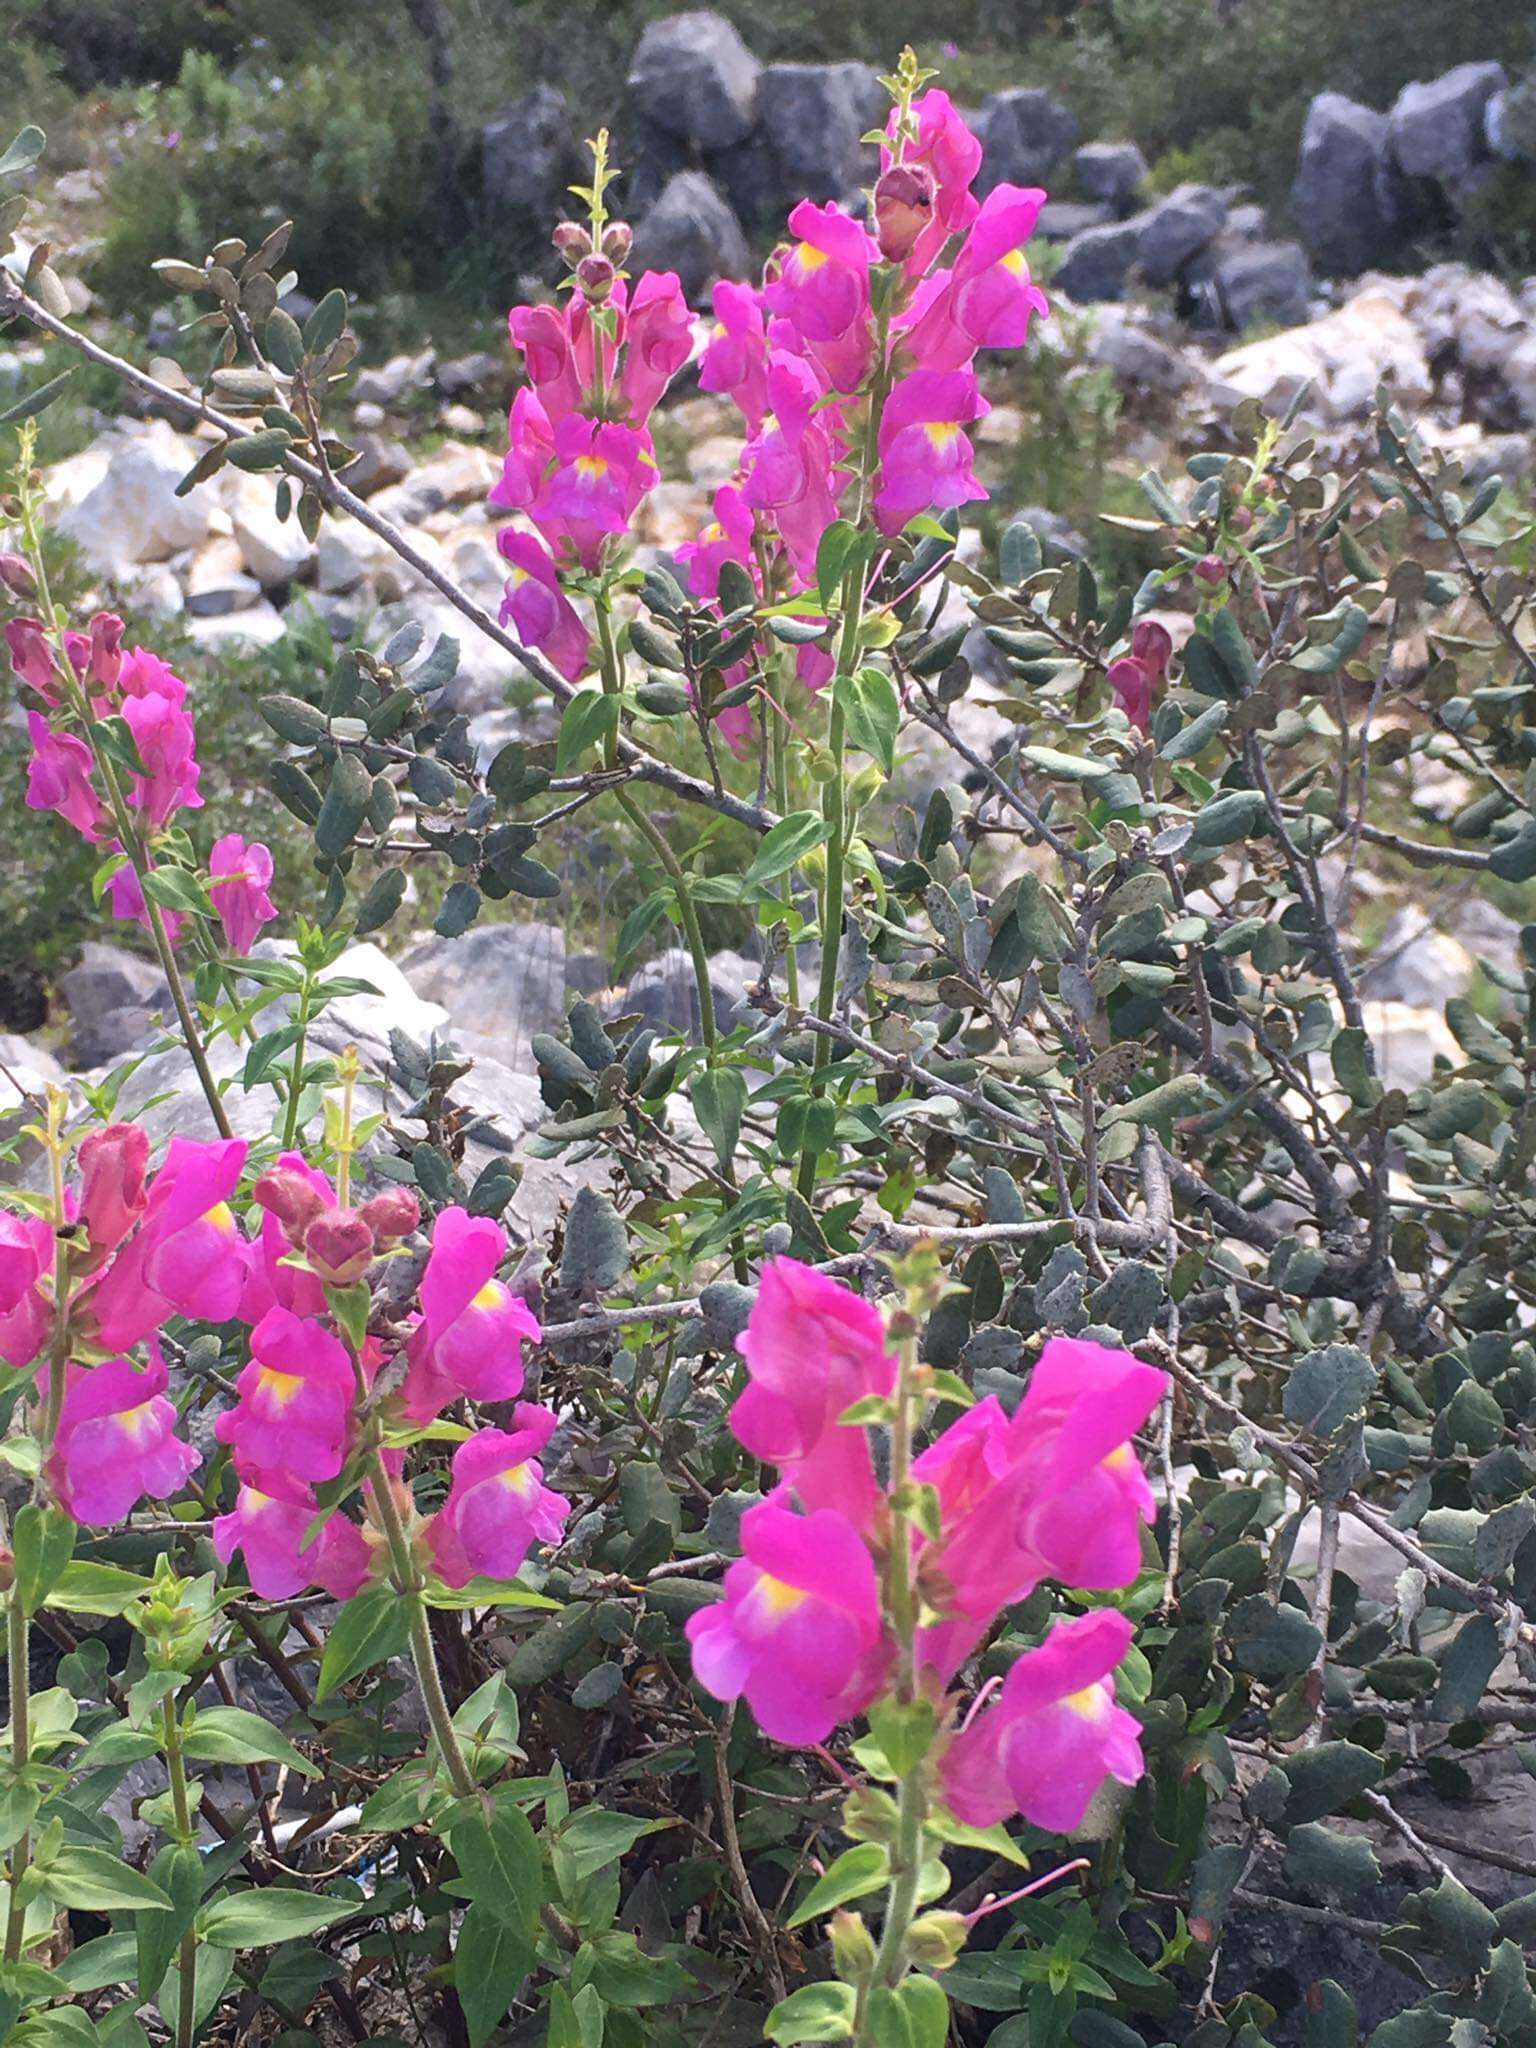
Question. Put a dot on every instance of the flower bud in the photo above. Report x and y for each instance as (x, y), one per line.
(573, 241)
(596, 277)
(1241, 520)
(618, 239)
(291, 1197)
(392, 1215)
(112, 1196)
(903, 208)
(16, 574)
(339, 1246)
(935, 1940)
(853, 1948)
(1211, 569)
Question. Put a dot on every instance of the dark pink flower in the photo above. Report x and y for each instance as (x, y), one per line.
(601, 472)
(240, 872)
(498, 1505)
(988, 298)
(26, 1260)
(725, 538)
(658, 340)
(59, 777)
(97, 655)
(187, 1257)
(292, 1194)
(339, 1246)
(125, 893)
(167, 745)
(925, 455)
(735, 358)
(813, 1348)
(798, 1633)
(113, 1196)
(542, 336)
(788, 467)
(1053, 1735)
(470, 1338)
(116, 1441)
(530, 450)
(947, 149)
(268, 1524)
(295, 1401)
(142, 674)
(33, 658)
(821, 288)
(537, 608)
(1132, 691)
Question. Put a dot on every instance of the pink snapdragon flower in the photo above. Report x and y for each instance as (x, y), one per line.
(601, 472)
(821, 287)
(735, 358)
(187, 1257)
(542, 336)
(26, 1259)
(116, 1441)
(142, 674)
(725, 538)
(241, 870)
(33, 658)
(59, 777)
(295, 1401)
(167, 745)
(470, 1338)
(988, 298)
(530, 450)
(813, 1348)
(97, 656)
(537, 608)
(946, 148)
(267, 1525)
(125, 893)
(114, 1162)
(498, 1505)
(925, 456)
(658, 340)
(1134, 677)
(798, 1633)
(788, 467)
(1053, 1735)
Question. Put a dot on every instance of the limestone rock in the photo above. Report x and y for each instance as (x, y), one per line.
(275, 551)
(1025, 133)
(132, 514)
(112, 996)
(1347, 198)
(1111, 172)
(1438, 125)
(498, 984)
(1344, 357)
(1097, 262)
(692, 230)
(1176, 229)
(694, 78)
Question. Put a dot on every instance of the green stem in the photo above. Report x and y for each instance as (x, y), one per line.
(21, 1750)
(186, 1958)
(780, 744)
(409, 1585)
(296, 1072)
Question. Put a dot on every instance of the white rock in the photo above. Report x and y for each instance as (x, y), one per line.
(133, 514)
(274, 550)
(1343, 357)
(259, 625)
(714, 461)
(351, 555)
(217, 583)
(1408, 1039)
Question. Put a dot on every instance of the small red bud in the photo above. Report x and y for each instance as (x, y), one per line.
(618, 239)
(392, 1215)
(903, 208)
(16, 574)
(596, 277)
(291, 1198)
(1241, 520)
(1211, 569)
(573, 241)
(339, 1246)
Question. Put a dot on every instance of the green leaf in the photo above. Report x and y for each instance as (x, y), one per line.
(596, 1837)
(94, 1881)
(927, 2010)
(816, 2012)
(324, 325)
(229, 1735)
(788, 842)
(31, 403)
(1329, 1388)
(491, 1959)
(499, 1862)
(264, 449)
(1178, 1097)
(905, 1733)
(23, 152)
(372, 1627)
(1319, 1781)
(871, 705)
(174, 889)
(268, 1914)
(1466, 1667)
(589, 719)
(596, 1254)
(719, 1097)
(43, 1540)
(858, 1871)
(833, 550)
(1018, 553)
(345, 806)
(382, 899)
(178, 1870)
(1321, 1859)
(85, 1587)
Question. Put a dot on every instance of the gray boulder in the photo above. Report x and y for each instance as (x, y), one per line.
(694, 77)
(1174, 231)
(1438, 125)
(499, 983)
(811, 118)
(1097, 262)
(113, 997)
(1347, 197)
(1024, 135)
(1238, 283)
(1110, 172)
(528, 156)
(665, 992)
(1061, 219)
(691, 229)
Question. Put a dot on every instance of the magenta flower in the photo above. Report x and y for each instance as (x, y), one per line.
(97, 655)
(167, 745)
(469, 1341)
(813, 1347)
(538, 610)
(59, 777)
(822, 290)
(725, 538)
(530, 450)
(1053, 1735)
(116, 1441)
(125, 893)
(735, 358)
(113, 1197)
(240, 872)
(295, 1401)
(267, 1525)
(1134, 677)
(270, 1281)
(601, 472)
(33, 658)
(187, 1256)
(925, 456)
(498, 1505)
(987, 299)
(142, 674)
(948, 150)
(26, 1259)
(789, 466)
(798, 1633)
(542, 336)
(658, 340)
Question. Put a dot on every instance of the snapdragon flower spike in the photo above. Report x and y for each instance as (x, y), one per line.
(470, 1338)
(114, 1162)
(798, 1633)
(167, 745)
(295, 1403)
(813, 1348)
(1053, 1735)
(537, 608)
(735, 358)
(116, 1441)
(658, 340)
(59, 777)
(498, 1506)
(820, 286)
(789, 467)
(267, 1526)
(925, 457)
(240, 872)
(187, 1256)
(26, 1259)
(988, 298)
(946, 148)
